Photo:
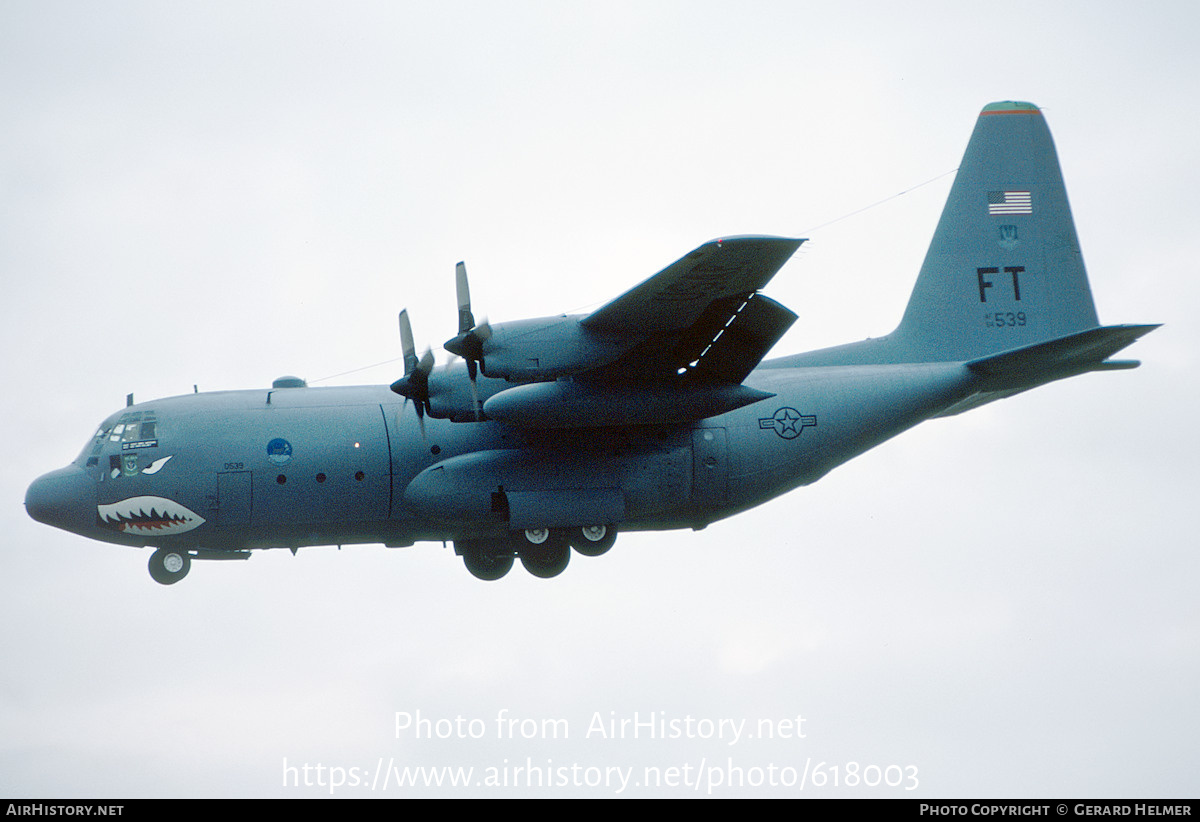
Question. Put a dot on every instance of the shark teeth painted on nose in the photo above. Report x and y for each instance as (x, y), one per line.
(149, 515)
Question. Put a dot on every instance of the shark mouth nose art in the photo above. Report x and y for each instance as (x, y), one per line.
(149, 515)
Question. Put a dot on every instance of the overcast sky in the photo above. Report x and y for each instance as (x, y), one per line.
(216, 194)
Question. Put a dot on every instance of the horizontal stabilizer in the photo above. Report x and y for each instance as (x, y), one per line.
(1064, 357)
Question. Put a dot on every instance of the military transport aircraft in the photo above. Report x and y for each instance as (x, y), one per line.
(654, 412)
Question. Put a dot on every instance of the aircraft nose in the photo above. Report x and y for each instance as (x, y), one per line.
(65, 498)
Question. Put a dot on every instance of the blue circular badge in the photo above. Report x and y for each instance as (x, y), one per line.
(279, 451)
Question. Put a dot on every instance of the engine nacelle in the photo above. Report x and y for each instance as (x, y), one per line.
(548, 348)
(570, 404)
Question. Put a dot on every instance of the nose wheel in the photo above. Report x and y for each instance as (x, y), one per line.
(169, 565)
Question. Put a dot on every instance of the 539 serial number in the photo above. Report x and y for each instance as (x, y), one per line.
(1004, 319)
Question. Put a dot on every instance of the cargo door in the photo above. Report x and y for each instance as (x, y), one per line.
(234, 498)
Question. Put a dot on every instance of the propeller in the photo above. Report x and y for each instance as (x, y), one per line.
(471, 337)
(414, 385)
(468, 344)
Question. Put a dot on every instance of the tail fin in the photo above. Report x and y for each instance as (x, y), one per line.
(1003, 287)
(1004, 270)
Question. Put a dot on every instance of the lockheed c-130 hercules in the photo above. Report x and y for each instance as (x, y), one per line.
(655, 411)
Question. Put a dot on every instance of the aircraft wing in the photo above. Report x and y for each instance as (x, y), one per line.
(701, 317)
(678, 296)
(676, 347)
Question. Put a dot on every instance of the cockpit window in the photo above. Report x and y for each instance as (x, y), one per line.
(140, 427)
(133, 430)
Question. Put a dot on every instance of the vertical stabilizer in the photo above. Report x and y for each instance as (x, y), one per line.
(1004, 269)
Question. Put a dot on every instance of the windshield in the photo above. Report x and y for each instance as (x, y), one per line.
(133, 430)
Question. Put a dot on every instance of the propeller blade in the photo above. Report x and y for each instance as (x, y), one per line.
(406, 343)
(425, 366)
(414, 385)
(474, 391)
(466, 320)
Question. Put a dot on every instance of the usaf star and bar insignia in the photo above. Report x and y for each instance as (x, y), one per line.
(788, 422)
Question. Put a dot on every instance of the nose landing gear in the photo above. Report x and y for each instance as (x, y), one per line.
(169, 565)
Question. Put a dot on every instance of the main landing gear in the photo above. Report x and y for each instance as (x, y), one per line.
(485, 558)
(544, 552)
(593, 540)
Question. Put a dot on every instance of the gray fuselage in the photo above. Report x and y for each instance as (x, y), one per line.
(290, 467)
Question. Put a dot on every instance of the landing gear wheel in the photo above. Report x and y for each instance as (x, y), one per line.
(485, 558)
(593, 540)
(169, 565)
(544, 552)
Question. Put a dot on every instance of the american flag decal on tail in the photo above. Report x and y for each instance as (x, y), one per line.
(1009, 202)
